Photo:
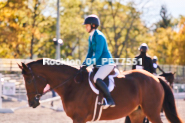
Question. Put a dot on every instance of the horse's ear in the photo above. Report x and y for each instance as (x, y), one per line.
(19, 66)
(24, 66)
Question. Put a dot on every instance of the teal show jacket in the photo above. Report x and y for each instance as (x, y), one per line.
(98, 49)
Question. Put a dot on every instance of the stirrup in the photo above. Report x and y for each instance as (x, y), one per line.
(105, 104)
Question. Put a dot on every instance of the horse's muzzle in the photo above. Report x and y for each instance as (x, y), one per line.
(34, 103)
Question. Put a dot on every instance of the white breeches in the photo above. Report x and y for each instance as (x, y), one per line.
(103, 71)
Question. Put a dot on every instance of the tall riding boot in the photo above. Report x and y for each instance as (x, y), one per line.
(103, 87)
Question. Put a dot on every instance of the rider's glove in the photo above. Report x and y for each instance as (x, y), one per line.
(83, 68)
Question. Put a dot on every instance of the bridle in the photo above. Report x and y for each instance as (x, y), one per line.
(37, 94)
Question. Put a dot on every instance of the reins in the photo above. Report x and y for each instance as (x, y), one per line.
(38, 95)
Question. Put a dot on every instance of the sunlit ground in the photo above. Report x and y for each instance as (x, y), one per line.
(44, 115)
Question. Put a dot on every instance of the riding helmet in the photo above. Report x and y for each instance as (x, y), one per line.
(155, 57)
(92, 19)
(143, 47)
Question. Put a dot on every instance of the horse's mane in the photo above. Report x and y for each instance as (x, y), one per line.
(166, 73)
(40, 61)
(163, 78)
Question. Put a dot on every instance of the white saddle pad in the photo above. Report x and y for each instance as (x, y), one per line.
(111, 81)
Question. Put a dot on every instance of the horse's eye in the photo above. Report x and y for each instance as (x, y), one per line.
(28, 80)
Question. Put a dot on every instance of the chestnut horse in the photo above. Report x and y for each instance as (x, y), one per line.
(137, 88)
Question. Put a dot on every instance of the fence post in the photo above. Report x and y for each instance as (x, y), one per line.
(10, 66)
(1, 64)
(169, 67)
(0, 91)
(183, 71)
(177, 72)
(19, 98)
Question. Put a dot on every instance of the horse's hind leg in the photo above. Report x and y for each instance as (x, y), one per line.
(155, 119)
(153, 113)
(127, 119)
(78, 121)
(137, 116)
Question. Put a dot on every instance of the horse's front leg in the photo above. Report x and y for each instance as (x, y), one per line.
(79, 118)
(79, 121)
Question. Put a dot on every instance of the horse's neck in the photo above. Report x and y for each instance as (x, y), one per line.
(58, 75)
(70, 89)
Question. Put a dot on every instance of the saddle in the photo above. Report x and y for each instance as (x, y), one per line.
(106, 80)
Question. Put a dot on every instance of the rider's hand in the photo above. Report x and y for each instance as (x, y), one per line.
(83, 68)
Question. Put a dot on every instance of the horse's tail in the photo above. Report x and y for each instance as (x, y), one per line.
(169, 104)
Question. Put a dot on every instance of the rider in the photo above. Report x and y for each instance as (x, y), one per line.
(147, 63)
(155, 65)
(98, 55)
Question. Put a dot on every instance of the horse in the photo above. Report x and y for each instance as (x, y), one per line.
(137, 88)
(169, 76)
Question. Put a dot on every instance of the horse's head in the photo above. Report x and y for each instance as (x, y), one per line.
(34, 84)
(169, 76)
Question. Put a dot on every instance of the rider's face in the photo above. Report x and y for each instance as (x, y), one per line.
(88, 27)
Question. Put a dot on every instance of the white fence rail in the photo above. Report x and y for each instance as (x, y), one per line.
(11, 64)
(179, 69)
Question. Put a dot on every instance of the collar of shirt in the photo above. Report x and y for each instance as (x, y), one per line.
(91, 34)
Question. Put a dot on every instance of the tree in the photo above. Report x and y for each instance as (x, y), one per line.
(12, 38)
(169, 44)
(165, 21)
(121, 25)
(24, 28)
(27, 29)
(180, 54)
(72, 31)
(37, 22)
